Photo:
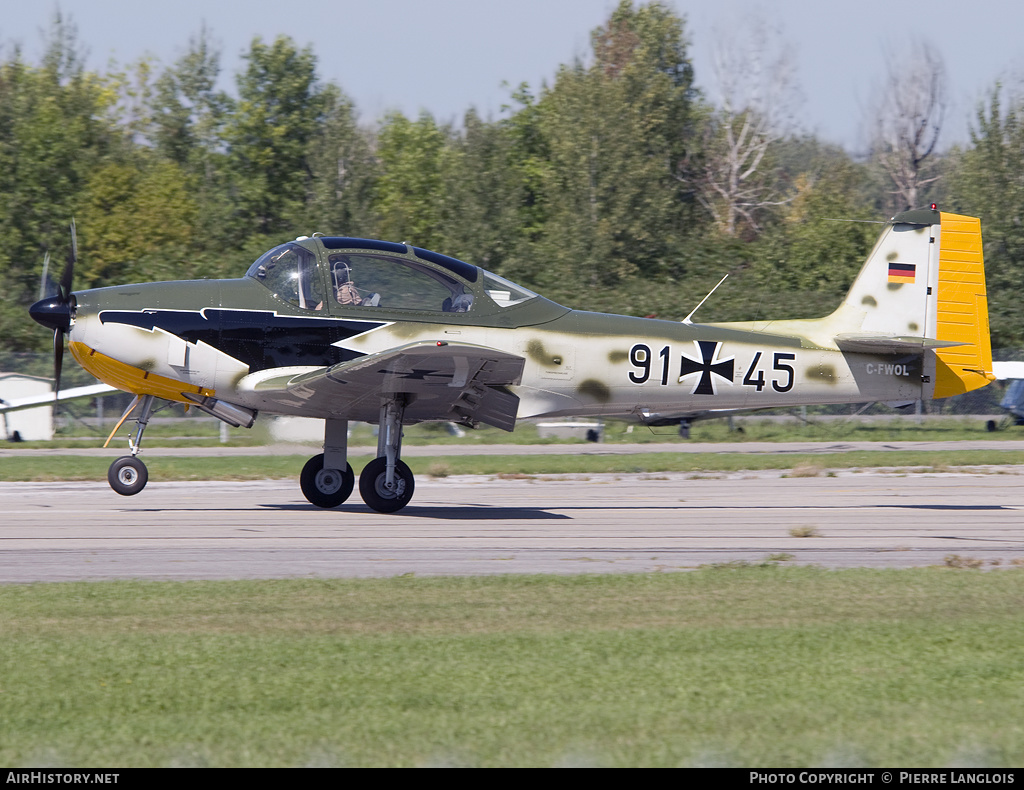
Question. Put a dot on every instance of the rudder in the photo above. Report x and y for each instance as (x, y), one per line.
(961, 309)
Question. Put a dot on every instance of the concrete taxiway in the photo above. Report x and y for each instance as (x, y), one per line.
(486, 525)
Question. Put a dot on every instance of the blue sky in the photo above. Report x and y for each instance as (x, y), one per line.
(446, 55)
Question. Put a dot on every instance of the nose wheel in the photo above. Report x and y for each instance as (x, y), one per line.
(128, 475)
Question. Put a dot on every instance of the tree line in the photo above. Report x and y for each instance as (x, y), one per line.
(615, 186)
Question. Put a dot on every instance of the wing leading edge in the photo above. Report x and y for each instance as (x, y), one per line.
(442, 381)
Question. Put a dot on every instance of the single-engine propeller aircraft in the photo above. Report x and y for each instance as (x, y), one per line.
(346, 329)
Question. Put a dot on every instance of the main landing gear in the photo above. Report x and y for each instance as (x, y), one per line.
(386, 484)
(128, 475)
(327, 479)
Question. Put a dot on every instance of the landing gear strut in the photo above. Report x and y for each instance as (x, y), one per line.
(327, 479)
(128, 475)
(386, 483)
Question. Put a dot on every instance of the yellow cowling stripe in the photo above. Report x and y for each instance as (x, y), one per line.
(962, 309)
(132, 379)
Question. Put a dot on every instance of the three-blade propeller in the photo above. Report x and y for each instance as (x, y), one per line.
(56, 312)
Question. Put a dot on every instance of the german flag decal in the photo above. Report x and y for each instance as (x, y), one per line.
(902, 272)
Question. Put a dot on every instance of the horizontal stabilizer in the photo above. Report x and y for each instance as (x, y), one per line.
(885, 344)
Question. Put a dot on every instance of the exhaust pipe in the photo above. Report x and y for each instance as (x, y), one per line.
(235, 416)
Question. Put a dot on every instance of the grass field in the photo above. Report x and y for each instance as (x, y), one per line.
(28, 468)
(744, 666)
(756, 428)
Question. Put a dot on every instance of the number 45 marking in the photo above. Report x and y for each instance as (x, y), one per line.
(755, 375)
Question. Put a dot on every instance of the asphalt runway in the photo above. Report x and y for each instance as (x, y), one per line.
(473, 525)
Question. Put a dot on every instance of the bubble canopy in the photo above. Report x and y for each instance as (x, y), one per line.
(368, 273)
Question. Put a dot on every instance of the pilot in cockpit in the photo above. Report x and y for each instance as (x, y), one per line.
(341, 278)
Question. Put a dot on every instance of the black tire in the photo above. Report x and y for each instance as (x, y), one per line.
(128, 475)
(379, 498)
(991, 426)
(326, 487)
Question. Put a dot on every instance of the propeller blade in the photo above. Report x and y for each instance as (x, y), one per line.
(69, 268)
(42, 280)
(56, 312)
(58, 360)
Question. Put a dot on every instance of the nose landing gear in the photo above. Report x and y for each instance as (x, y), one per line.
(128, 475)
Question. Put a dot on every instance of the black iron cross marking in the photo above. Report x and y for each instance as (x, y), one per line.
(706, 366)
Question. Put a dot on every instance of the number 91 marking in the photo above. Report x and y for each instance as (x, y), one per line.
(641, 358)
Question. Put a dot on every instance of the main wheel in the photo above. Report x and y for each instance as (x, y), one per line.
(128, 475)
(326, 487)
(375, 492)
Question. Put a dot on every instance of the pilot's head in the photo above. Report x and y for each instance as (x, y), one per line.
(340, 269)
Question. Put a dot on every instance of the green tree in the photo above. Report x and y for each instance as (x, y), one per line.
(811, 256)
(344, 170)
(482, 214)
(987, 181)
(529, 160)
(269, 137)
(136, 224)
(411, 196)
(53, 132)
(189, 112)
(188, 123)
(614, 131)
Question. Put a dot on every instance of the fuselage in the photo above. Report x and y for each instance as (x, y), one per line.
(216, 338)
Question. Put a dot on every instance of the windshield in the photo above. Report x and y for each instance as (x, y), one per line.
(290, 271)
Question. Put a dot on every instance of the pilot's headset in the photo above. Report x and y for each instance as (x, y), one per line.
(341, 272)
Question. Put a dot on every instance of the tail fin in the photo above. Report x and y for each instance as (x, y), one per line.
(923, 287)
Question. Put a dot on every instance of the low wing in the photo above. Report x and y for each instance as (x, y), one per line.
(48, 399)
(442, 381)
